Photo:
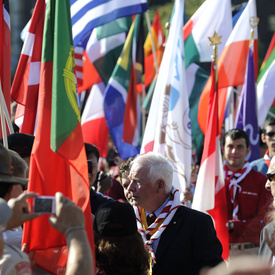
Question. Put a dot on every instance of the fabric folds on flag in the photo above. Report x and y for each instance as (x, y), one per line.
(157, 33)
(58, 159)
(265, 88)
(211, 16)
(88, 14)
(210, 188)
(168, 126)
(231, 71)
(5, 53)
(246, 117)
(26, 81)
(97, 61)
(116, 94)
(94, 126)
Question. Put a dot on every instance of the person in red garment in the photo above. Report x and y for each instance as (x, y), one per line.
(247, 199)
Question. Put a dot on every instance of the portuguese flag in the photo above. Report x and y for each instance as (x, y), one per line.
(58, 159)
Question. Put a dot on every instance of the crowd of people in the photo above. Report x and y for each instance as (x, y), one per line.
(140, 224)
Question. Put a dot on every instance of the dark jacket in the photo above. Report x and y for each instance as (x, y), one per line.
(188, 244)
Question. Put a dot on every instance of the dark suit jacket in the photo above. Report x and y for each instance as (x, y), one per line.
(188, 244)
(264, 252)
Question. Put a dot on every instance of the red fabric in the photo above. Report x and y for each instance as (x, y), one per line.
(254, 201)
(25, 85)
(50, 173)
(116, 192)
(131, 112)
(95, 131)
(90, 75)
(267, 158)
(210, 147)
(230, 74)
(5, 57)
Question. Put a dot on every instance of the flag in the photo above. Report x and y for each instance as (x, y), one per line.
(210, 188)
(196, 77)
(94, 127)
(58, 158)
(212, 15)
(231, 71)
(157, 33)
(26, 81)
(103, 48)
(88, 14)
(5, 53)
(168, 126)
(116, 94)
(132, 115)
(246, 117)
(265, 88)
(269, 51)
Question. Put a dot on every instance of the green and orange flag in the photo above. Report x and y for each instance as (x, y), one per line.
(58, 159)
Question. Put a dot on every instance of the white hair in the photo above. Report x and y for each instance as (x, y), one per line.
(158, 168)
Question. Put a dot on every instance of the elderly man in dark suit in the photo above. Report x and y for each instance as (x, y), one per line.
(180, 240)
(267, 239)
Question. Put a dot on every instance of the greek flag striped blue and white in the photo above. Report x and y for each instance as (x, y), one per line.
(88, 14)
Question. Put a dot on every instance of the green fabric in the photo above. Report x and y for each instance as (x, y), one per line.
(200, 81)
(191, 53)
(57, 48)
(117, 26)
(267, 64)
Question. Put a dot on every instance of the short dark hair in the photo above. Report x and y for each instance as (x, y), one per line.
(269, 122)
(124, 167)
(237, 134)
(91, 149)
(5, 189)
(121, 256)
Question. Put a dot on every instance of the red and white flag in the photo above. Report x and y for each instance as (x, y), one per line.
(232, 62)
(210, 194)
(27, 77)
(93, 123)
(5, 53)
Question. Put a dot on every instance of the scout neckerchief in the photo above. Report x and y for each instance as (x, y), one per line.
(267, 158)
(162, 221)
(232, 179)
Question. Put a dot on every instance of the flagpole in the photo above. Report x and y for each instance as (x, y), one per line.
(3, 123)
(215, 40)
(253, 21)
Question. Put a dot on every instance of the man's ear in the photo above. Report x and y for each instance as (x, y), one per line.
(248, 150)
(160, 184)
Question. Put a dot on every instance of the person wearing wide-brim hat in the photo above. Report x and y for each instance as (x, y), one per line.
(10, 186)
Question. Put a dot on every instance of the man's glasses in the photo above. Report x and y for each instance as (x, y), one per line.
(270, 134)
(271, 176)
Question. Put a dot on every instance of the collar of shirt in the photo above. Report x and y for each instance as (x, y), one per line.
(158, 211)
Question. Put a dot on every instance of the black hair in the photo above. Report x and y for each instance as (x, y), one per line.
(91, 150)
(237, 134)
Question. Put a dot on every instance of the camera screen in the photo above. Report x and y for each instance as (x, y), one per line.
(43, 205)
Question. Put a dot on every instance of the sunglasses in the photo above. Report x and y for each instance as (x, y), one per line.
(271, 176)
(270, 134)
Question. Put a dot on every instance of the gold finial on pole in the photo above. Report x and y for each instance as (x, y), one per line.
(253, 21)
(215, 40)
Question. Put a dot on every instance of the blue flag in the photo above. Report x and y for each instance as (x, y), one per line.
(246, 117)
(88, 14)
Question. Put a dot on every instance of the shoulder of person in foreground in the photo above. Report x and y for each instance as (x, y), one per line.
(69, 220)
(240, 265)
